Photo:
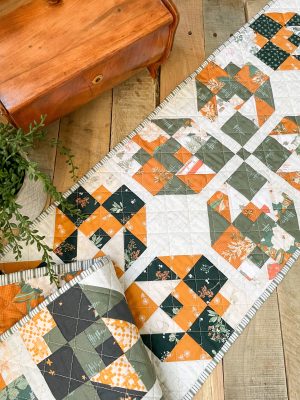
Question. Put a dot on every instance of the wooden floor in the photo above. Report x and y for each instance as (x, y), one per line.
(263, 363)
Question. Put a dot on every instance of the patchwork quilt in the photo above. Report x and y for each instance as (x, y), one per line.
(199, 207)
(80, 343)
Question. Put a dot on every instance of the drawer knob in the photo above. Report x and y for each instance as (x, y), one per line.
(97, 79)
(54, 2)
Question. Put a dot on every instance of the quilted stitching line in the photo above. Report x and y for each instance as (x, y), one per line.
(92, 268)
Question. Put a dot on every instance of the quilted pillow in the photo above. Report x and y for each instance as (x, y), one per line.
(79, 343)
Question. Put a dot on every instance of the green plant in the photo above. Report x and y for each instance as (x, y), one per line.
(16, 229)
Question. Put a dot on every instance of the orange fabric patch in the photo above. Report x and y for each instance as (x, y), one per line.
(140, 304)
(32, 335)
(120, 373)
(183, 155)
(125, 333)
(220, 202)
(15, 266)
(2, 383)
(281, 18)
(153, 176)
(264, 111)
(64, 227)
(149, 146)
(210, 110)
(211, 73)
(193, 306)
(196, 181)
(219, 304)
(100, 218)
(251, 211)
(260, 40)
(289, 64)
(252, 83)
(12, 312)
(285, 127)
(293, 178)
(233, 246)
(187, 350)
(181, 265)
(101, 194)
(281, 40)
(137, 225)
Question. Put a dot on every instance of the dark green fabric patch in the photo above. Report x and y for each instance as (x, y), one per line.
(214, 154)
(272, 153)
(258, 257)
(247, 181)
(266, 26)
(156, 271)
(240, 128)
(272, 55)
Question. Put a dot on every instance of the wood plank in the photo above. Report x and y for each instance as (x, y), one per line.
(45, 156)
(254, 366)
(213, 388)
(289, 300)
(133, 100)
(86, 133)
(253, 7)
(222, 18)
(188, 48)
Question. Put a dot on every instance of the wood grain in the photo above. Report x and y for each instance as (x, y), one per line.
(46, 155)
(133, 101)
(222, 18)
(289, 300)
(254, 366)
(188, 48)
(252, 7)
(213, 388)
(86, 133)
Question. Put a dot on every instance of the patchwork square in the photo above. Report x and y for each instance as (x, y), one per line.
(210, 331)
(232, 89)
(123, 204)
(109, 351)
(272, 55)
(240, 128)
(82, 200)
(189, 285)
(276, 41)
(178, 164)
(72, 312)
(62, 372)
(247, 181)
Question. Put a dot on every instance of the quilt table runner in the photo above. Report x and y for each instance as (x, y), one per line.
(199, 207)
